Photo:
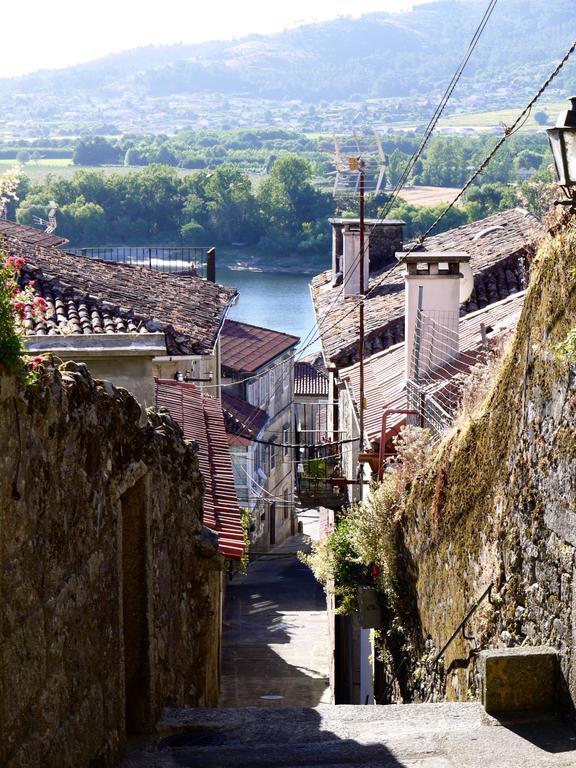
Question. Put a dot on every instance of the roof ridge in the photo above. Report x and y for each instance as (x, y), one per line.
(260, 328)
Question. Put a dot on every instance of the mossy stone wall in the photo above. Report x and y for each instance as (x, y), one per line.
(499, 506)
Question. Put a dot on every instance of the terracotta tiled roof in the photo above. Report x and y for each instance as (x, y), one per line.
(202, 421)
(500, 248)
(71, 312)
(245, 348)
(384, 373)
(309, 380)
(241, 418)
(94, 294)
(29, 235)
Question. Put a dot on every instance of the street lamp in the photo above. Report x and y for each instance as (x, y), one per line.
(563, 144)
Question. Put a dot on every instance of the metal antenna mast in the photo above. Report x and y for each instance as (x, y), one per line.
(367, 170)
(51, 224)
(359, 165)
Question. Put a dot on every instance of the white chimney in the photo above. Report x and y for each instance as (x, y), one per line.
(351, 259)
(432, 305)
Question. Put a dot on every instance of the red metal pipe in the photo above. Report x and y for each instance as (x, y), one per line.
(382, 453)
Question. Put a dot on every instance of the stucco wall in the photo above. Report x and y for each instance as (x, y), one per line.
(109, 585)
(499, 506)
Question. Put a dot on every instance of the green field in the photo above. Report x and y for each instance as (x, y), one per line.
(38, 170)
(504, 117)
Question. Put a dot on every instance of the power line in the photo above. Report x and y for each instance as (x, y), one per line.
(427, 134)
(509, 131)
(441, 106)
(520, 120)
(315, 333)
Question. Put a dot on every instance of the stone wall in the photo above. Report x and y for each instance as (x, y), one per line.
(499, 507)
(110, 588)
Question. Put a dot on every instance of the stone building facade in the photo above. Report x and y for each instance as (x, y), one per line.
(110, 586)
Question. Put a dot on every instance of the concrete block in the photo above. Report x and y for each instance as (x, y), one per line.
(519, 679)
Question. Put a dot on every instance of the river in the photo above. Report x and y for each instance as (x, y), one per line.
(273, 300)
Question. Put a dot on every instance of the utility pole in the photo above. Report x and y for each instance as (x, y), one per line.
(359, 165)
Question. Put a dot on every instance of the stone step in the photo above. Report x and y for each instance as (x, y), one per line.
(416, 752)
(409, 736)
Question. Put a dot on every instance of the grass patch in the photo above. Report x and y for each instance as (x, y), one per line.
(497, 118)
(38, 170)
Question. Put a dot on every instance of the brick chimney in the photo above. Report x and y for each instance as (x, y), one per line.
(432, 285)
(386, 237)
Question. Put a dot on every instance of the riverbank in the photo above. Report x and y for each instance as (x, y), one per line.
(246, 259)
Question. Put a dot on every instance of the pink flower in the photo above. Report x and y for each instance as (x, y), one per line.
(15, 263)
(37, 362)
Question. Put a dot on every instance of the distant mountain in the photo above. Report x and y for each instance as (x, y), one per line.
(377, 55)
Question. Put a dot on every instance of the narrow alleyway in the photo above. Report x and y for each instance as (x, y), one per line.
(275, 643)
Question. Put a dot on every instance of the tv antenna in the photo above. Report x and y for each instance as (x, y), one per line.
(347, 162)
(358, 173)
(51, 224)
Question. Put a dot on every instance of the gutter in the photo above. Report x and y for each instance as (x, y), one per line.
(100, 345)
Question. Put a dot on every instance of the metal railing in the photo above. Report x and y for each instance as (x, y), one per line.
(460, 627)
(197, 260)
(317, 479)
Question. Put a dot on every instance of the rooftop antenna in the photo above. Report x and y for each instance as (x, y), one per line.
(339, 163)
(51, 224)
(347, 179)
(382, 157)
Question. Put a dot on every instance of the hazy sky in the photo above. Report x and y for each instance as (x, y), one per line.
(57, 33)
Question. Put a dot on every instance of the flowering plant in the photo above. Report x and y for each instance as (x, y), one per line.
(16, 303)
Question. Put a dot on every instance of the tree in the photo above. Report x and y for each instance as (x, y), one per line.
(418, 218)
(83, 222)
(541, 118)
(288, 199)
(135, 156)
(528, 159)
(96, 151)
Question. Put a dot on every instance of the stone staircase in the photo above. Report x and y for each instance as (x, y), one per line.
(402, 736)
(519, 689)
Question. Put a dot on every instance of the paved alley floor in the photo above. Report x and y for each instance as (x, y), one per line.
(275, 641)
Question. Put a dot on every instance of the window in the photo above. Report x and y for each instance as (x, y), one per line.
(263, 390)
(253, 393)
(285, 504)
(286, 438)
(272, 456)
(272, 374)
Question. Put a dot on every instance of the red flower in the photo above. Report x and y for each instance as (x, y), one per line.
(37, 362)
(40, 303)
(14, 263)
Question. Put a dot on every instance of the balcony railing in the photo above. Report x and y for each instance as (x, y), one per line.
(195, 260)
(318, 482)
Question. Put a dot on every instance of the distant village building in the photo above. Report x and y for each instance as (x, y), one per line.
(258, 392)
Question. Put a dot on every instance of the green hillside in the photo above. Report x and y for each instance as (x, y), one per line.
(378, 55)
